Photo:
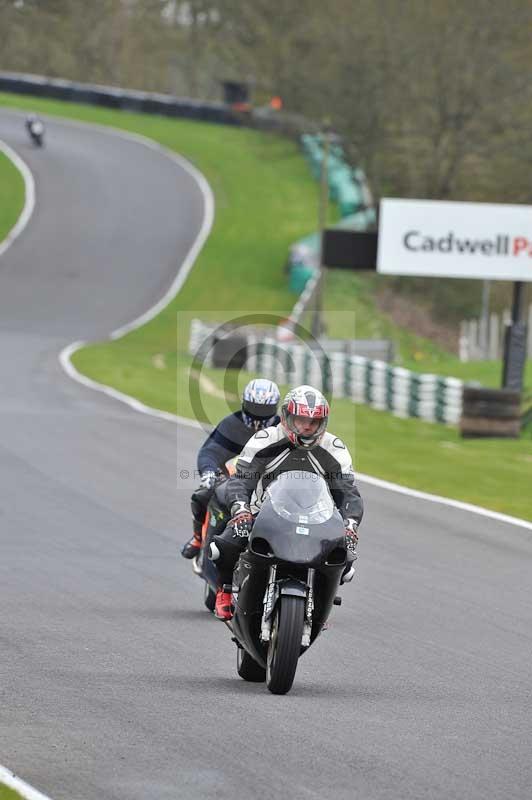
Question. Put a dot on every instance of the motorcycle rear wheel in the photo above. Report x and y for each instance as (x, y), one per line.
(247, 667)
(285, 644)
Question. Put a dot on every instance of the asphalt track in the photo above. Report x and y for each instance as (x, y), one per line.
(114, 682)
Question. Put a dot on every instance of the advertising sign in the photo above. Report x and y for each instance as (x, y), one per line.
(455, 240)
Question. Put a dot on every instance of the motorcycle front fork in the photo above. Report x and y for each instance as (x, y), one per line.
(270, 597)
(309, 609)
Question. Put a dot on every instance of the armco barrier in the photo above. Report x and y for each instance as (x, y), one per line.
(348, 188)
(123, 99)
(286, 123)
(375, 383)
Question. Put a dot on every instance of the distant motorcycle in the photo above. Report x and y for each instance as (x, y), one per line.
(35, 128)
(285, 583)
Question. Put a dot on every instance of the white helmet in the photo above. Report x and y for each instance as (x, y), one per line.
(304, 401)
(259, 403)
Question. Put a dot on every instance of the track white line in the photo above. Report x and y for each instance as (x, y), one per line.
(24, 789)
(29, 201)
(132, 402)
(136, 405)
(445, 501)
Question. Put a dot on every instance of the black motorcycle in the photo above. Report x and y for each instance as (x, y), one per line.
(35, 128)
(285, 583)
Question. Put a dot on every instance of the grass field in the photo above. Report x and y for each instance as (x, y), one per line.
(11, 195)
(266, 199)
(8, 794)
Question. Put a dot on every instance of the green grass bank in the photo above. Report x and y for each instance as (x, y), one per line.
(12, 195)
(265, 200)
(8, 794)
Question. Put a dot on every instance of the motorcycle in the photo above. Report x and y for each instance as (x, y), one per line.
(285, 583)
(35, 128)
(215, 522)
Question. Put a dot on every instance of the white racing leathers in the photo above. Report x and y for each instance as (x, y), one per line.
(269, 453)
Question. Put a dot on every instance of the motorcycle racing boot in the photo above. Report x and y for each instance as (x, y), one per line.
(191, 548)
(223, 608)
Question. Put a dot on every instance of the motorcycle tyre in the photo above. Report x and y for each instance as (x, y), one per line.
(285, 645)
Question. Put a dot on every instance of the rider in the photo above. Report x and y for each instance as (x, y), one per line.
(260, 400)
(31, 120)
(299, 443)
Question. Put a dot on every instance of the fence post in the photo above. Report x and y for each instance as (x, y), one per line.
(474, 332)
(494, 337)
(463, 341)
(483, 333)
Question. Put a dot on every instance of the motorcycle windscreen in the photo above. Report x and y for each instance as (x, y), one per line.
(301, 497)
(298, 520)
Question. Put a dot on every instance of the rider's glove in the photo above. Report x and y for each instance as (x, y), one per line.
(351, 535)
(351, 541)
(208, 479)
(242, 519)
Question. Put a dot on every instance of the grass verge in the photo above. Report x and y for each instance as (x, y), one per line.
(6, 793)
(11, 195)
(262, 206)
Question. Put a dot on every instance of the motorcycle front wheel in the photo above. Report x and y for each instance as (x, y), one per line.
(285, 643)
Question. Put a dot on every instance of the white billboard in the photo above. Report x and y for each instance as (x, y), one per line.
(455, 240)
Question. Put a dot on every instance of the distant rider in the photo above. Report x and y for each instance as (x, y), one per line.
(34, 126)
(299, 443)
(31, 119)
(260, 400)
